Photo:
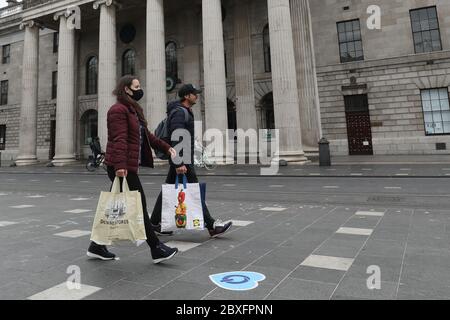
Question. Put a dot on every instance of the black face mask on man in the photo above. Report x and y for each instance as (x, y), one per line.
(137, 94)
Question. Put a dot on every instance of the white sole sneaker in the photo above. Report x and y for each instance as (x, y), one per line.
(164, 259)
(96, 256)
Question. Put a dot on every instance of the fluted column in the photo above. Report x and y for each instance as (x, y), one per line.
(28, 111)
(65, 100)
(284, 80)
(156, 63)
(215, 93)
(243, 67)
(306, 75)
(191, 56)
(107, 64)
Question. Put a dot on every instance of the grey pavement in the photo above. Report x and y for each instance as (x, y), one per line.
(312, 237)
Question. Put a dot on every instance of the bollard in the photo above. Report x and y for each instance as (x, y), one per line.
(324, 153)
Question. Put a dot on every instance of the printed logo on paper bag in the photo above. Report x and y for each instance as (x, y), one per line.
(114, 213)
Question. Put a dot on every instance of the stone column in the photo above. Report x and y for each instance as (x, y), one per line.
(28, 111)
(66, 98)
(156, 64)
(107, 64)
(243, 67)
(284, 80)
(191, 56)
(215, 93)
(306, 75)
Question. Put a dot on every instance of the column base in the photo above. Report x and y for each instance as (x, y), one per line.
(61, 161)
(26, 161)
(311, 152)
(293, 157)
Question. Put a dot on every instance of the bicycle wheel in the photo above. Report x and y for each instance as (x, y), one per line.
(208, 165)
(90, 166)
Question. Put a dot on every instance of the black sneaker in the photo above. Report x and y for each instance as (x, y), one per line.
(162, 253)
(158, 231)
(100, 252)
(219, 228)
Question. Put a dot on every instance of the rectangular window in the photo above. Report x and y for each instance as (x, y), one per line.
(2, 136)
(436, 111)
(425, 28)
(54, 84)
(6, 53)
(350, 41)
(4, 92)
(55, 42)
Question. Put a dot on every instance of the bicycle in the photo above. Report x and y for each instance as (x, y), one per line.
(93, 164)
(201, 159)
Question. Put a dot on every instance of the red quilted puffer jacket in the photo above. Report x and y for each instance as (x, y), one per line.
(122, 150)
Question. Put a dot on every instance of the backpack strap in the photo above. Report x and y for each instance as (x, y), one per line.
(186, 114)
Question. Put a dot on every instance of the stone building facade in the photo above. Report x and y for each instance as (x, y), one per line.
(269, 64)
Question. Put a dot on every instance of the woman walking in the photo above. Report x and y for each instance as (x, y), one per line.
(129, 147)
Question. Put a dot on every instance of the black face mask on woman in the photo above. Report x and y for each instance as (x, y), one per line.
(137, 94)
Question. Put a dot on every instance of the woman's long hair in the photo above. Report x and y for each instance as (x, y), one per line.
(123, 97)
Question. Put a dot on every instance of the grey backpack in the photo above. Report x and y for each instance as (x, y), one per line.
(162, 131)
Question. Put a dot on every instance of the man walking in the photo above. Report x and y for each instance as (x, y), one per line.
(181, 117)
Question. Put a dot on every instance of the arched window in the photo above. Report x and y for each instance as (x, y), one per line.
(129, 62)
(171, 60)
(266, 43)
(89, 123)
(91, 75)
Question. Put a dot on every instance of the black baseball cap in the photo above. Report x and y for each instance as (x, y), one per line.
(187, 89)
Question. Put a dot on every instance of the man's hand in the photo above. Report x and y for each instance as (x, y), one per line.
(122, 173)
(172, 153)
(181, 170)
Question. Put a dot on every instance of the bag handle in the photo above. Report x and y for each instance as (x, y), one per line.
(116, 185)
(177, 180)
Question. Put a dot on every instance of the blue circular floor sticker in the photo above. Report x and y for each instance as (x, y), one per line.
(237, 280)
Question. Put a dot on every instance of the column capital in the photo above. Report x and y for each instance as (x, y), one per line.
(107, 3)
(66, 13)
(30, 24)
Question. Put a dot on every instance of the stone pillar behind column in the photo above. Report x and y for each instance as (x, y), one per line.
(156, 64)
(28, 111)
(65, 100)
(285, 94)
(306, 75)
(215, 93)
(107, 65)
(243, 70)
(191, 56)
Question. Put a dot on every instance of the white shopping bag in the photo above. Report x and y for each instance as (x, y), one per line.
(119, 216)
(181, 207)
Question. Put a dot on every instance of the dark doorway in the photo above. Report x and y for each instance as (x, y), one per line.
(359, 130)
(51, 154)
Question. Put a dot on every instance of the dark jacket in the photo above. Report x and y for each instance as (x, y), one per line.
(177, 121)
(122, 150)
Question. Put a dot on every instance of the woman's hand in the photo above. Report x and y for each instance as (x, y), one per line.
(172, 153)
(122, 173)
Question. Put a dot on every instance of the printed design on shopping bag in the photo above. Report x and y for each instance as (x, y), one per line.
(181, 211)
(115, 212)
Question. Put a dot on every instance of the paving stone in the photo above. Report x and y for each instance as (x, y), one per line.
(354, 288)
(122, 290)
(181, 290)
(317, 274)
(304, 290)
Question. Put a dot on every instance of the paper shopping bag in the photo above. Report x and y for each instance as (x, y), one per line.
(119, 216)
(181, 206)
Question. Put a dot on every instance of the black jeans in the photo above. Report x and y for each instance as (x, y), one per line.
(191, 178)
(135, 184)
